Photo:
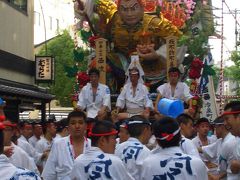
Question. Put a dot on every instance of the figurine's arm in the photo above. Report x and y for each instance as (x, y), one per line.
(162, 27)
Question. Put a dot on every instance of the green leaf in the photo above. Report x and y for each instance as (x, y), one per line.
(71, 71)
(85, 35)
(78, 55)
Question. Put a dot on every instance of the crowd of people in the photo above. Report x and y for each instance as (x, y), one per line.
(93, 143)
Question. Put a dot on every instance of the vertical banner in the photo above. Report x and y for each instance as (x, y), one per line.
(101, 49)
(209, 106)
(171, 43)
(44, 68)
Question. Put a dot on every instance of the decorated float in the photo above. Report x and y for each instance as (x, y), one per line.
(157, 32)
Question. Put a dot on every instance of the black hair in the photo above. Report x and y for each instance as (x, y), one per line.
(167, 125)
(76, 114)
(94, 71)
(21, 124)
(100, 127)
(174, 69)
(63, 123)
(233, 105)
(202, 120)
(136, 129)
(184, 119)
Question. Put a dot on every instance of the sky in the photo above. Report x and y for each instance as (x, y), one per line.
(229, 31)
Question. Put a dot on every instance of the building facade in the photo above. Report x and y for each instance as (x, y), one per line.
(17, 60)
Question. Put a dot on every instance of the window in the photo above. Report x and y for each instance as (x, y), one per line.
(20, 4)
(36, 18)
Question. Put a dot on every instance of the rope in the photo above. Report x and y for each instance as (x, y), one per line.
(221, 67)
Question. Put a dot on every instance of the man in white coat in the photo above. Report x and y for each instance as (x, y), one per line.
(231, 117)
(186, 128)
(19, 157)
(133, 151)
(7, 170)
(26, 133)
(99, 163)
(174, 90)
(202, 139)
(168, 161)
(45, 143)
(134, 95)
(95, 97)
(37, 133)
(65, 150)
(222, 150)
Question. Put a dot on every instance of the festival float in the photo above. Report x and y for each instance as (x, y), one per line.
(157, 32)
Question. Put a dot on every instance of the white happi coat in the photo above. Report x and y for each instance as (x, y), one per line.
(33, 140)
(43, 145)
(188, 147)
(97, 165)
(236, 154)
(61, 158)
(181, 92)
(24, 144)
(226, 155)
(85, 99)
(172, 164)
(10, 172)
(132, 152)
(21, 159)
(134, 103)
(197, 142)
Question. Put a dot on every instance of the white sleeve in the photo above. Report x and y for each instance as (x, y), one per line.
(81, 99)
(211, 149)
(121, 98)
(107, 98)
(186, 92)
(189, 148)
(160, 89)
(76, 171)
(121, 172)
(148, 101)
(200, 169)
(49, 171)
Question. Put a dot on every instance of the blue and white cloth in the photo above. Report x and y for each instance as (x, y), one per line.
(132, 152)
(10, 172)
(94, 164)
(172, 164)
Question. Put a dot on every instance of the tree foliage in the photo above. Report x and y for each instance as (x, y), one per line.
(61, 48)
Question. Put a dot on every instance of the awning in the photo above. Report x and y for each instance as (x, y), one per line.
(31, 93)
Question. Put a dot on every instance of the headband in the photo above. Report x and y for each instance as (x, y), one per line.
(138, 122)
(113, 132)
(9, 124)
(168, 137)
(230, 112)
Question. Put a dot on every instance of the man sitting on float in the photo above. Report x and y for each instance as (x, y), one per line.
(174, 90)
(134, 95)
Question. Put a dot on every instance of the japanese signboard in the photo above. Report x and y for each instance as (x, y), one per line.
(101, 48)
(171, 51)
(44, 69)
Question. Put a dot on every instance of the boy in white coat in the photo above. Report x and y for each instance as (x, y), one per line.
(99, 163)
(168, 161)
